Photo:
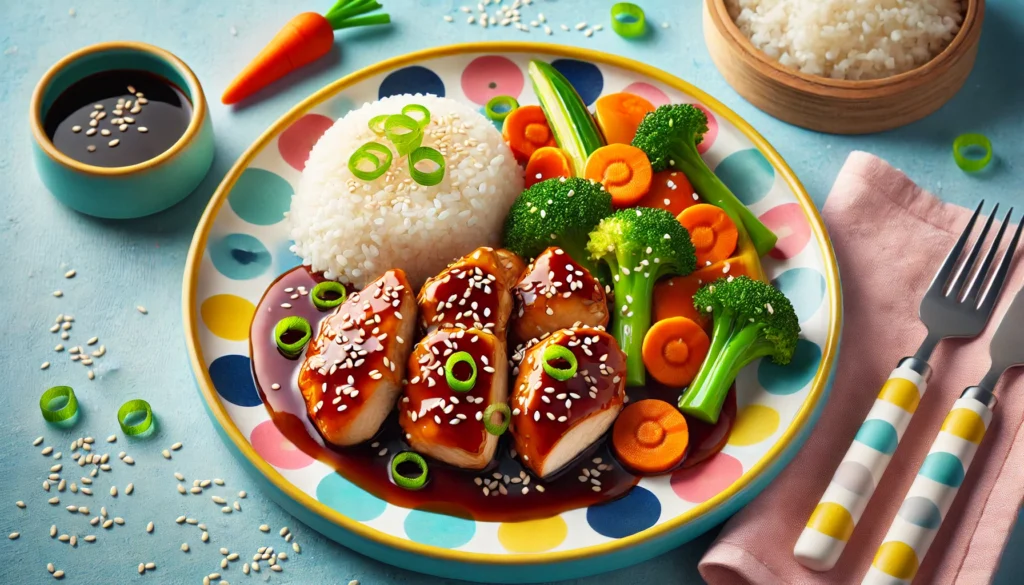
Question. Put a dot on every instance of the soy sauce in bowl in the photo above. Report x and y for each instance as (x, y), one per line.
(118, 118)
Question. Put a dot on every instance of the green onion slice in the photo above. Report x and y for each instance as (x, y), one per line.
(422, 116)
(291, 335)
(407, 141)
(506, 416)
(426, 178)
(499, 107)
(377, 124)
(553, 353)
(375, 153)
(136, 407)
(409, 483)
(449, 371)
(63, 412)
(964, 144)
(328, 294)
(628, 20)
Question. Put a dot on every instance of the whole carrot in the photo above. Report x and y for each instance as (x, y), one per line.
(305, 38)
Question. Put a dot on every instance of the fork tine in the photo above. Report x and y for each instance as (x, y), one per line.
(939, 282)
(979, 276)
(992, 292)
(968, 264)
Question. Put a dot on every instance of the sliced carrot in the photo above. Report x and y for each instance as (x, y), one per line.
(674, 349)
(619, 114)
(670, 190)
(624, 171)
(713, 234)
(525, 130)
(547, 162)
(650, 436)
(673, 297)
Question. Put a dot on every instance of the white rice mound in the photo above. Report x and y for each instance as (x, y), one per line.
(849, 39)
(353, 231)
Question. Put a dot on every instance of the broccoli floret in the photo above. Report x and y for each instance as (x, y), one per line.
(669, 136)
(639, 245)
(557, 212)
(752, 319)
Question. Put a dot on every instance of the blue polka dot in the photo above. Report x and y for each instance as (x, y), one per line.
(805, 288)
(879, 435)
(260, 197)
(785, 380)
(284, 258)
(636, 511)
(440, 530)
(415, 79)
(944, 468)
(334, 491)
(232, 377)
(585, 77)
(748, 174)
(921, 512)
(239, 256)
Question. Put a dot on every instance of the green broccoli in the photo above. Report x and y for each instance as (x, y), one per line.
(752, 319)
(639, 245)
(669, 136)
(557, 212)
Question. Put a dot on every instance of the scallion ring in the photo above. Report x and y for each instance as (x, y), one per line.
(409, 483)
(328, 294)
(966, 144)
(405, 142)
(63, 411)
(422, 116)
(377, 124)
(506, 415)
(378, 155)
(138, 408)
(553, 353)
(449, 371)
(628, 20)
(500, 106)
(291, 335)
(426, 178)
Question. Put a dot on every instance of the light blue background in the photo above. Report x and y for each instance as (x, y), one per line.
(124, 264)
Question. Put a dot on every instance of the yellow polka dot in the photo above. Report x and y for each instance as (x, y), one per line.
(902, 393)
(897, 559)
(227, 316)
(832, 519)
(533, 536)
(964, 423)
(754, 424)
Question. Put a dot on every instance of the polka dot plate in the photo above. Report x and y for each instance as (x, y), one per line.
(242, 244)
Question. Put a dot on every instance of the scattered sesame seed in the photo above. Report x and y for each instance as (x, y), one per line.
(142, 310)
(114, 142)
(264, 528)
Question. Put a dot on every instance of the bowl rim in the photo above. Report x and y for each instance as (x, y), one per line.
(199, 109)
(230, 432)
(812, 83)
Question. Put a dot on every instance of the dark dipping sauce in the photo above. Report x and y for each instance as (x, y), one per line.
(449, 490)
(88, 117)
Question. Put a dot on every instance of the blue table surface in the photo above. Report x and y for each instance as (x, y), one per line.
(122, 264)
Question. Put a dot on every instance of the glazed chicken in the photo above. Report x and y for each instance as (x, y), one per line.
(472, 292)
(556, 293)
(352, 373)
(555, 420)
(446, 422)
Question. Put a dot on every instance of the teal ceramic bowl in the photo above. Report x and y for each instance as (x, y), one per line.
(129, 191)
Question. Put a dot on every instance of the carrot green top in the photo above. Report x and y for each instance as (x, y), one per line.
(346, 14)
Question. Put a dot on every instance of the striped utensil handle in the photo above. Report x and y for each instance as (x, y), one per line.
(933, 490)
(837, 513)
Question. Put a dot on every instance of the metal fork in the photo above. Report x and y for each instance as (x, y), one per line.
(957, 304)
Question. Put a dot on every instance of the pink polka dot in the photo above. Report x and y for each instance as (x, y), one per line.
(648, 92)
(789, 223)
(703, 482)
(491, 76)
(298, 139)
(275, 449)
(711, 134)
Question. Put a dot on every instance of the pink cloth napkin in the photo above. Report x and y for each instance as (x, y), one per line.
(890, 237)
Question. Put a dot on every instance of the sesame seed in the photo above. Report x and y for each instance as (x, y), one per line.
(114, 142)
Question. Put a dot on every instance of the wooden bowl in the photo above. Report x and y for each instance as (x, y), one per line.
(840, 106)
